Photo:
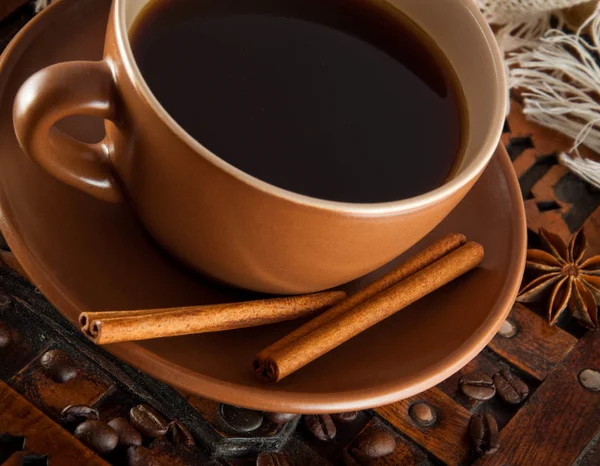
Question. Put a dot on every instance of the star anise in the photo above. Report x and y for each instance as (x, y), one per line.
(573, 282)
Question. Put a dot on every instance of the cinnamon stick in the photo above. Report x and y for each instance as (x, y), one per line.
(407, 268)
(86, 318)
(336, 331)
(102, 328)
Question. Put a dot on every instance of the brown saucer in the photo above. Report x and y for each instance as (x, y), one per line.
(86, 254)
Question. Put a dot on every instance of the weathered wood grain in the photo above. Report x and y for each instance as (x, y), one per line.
(42, 436)
(536, 348)
(559, 419)
(483, 362)
(406, 452)
(51, 396)
(447, 438)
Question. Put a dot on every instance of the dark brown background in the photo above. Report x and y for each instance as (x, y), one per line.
(558, 424)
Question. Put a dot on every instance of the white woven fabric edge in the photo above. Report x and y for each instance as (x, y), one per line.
(504, 11)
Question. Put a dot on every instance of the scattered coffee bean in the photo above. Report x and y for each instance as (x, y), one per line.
(345, 417)
(272, 459)
(483, 433)
(478, 386)
(321, 426)
(5, 335)
(422, 414)
(241, 419)
(376, 442)
(59, 366)
(148, 421)
(280, 418)
(508, 329)
(141, 456)
(510, 388)
(97, 435)
(128, 435)
(179, 434)
(73, 415)
(590, 379)
(355, 457)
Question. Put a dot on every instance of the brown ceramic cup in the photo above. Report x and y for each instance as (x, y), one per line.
(220, 220)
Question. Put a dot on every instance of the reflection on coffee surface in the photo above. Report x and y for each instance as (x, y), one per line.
(344, 100)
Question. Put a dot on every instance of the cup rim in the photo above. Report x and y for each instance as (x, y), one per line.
(446, 190)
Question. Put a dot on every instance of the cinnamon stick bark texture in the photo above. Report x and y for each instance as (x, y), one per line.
(336, 331)
(102, 328)
(86, 318)
(407, 268)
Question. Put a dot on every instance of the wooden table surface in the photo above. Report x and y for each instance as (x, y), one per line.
(557, 424)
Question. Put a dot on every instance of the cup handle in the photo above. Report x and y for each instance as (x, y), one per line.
(71, 88)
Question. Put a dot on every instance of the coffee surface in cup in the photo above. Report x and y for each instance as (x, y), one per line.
(344, 100)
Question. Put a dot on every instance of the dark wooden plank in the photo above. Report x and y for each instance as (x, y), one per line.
(42, 435)
(405, 452)
(559, 419)
(446, 439)
(536, 348)
(483, 362)
(298, 453)
(51, 396)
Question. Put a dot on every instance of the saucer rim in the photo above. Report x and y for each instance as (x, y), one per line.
(254, 397)
(354, 400)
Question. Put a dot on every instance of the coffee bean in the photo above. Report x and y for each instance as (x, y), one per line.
(422, 414)
(478, 386)
(345, 417)
(148, 421)
(179, 434)
(241, 419)
(5, 335)
(510, 388)
(280, 418)
(483, 433)
(97, 435)
(59, 366)
(271, 459)
(128, 435)
(141, 456)
(73, 415)
(321, 426)
(355, 457)
(376, 442)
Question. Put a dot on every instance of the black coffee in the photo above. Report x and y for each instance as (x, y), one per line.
(344, 100)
